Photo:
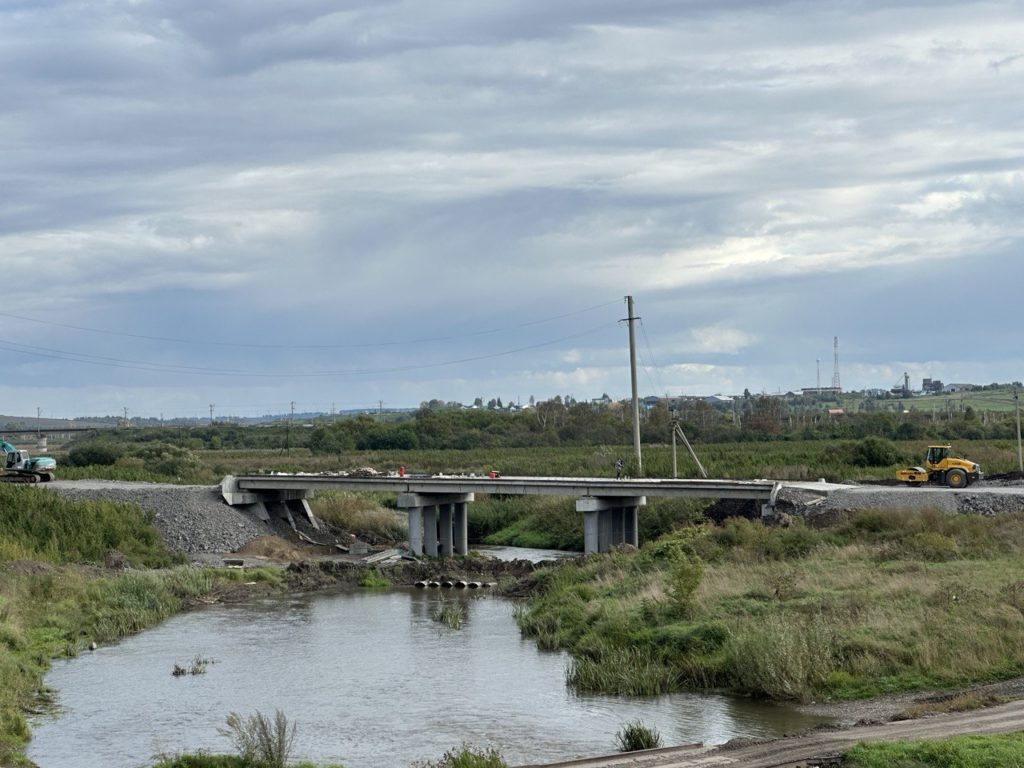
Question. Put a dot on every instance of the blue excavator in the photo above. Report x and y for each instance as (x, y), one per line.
(18, 467)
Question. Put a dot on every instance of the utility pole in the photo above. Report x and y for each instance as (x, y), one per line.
(288, 430)
(39, 412)
(126, 415)
(675, 471)
(211, 414)
(632, 376)
(1020, 453)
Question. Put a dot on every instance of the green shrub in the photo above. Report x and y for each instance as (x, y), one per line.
(375, 580)
(684, 579)
(94, 454)
(874, 452)
(167, 459)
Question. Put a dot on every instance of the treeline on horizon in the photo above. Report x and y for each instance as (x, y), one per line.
(556, 422)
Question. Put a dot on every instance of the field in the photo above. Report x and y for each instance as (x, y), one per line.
(783, 459)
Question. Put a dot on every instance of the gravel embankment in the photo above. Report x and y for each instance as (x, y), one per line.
(191, 518)
(979, 499)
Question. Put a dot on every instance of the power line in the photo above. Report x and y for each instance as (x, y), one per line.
(110, 362)
(359, 345)
(654, 363)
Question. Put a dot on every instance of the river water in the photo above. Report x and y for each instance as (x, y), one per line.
(372, 681)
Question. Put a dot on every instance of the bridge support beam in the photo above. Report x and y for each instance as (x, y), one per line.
(438, 523)
(609, 521)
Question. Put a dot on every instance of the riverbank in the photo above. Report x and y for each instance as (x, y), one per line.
(885, 602)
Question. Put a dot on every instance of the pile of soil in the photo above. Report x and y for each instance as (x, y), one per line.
(272, 547)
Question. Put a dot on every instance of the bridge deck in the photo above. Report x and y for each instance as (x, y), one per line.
(514, 486)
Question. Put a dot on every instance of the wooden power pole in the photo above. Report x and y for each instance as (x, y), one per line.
(631, 319)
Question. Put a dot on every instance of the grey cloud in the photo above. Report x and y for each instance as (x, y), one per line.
(778, 172)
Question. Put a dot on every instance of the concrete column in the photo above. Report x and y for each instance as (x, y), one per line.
(430, 531)
(446, 529)
(590, 532)
(423, 518)
(416, 530)
(617, 525)
(461, 527)
(604, 529)
(608, 520)
(631, 525)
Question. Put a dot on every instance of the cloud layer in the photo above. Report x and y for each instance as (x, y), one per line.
(447, 200)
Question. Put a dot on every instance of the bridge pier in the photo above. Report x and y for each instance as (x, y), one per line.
(609, 521)
(438, 523)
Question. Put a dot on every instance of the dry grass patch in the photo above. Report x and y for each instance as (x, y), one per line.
(361, 515)
(963, 703)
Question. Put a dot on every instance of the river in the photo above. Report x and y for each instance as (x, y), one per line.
(371, 680)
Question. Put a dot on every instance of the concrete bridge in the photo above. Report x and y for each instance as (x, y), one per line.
(437, 505)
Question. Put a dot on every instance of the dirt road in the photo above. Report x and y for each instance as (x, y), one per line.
(811, 748)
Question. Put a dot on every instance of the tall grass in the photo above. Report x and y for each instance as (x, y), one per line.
(360, 514)
(260, 740)
(467, 756)
(450, 614)
(38, 524)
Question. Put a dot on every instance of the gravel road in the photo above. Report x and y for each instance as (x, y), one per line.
(817, 747)
(832, 503)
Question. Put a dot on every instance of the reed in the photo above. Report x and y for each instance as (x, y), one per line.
(450, 614)
(634, 736)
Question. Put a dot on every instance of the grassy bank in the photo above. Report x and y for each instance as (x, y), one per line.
(56, 598)
(886, 602)
(1003, 751)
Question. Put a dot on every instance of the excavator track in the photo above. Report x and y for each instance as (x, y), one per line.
(24, 479)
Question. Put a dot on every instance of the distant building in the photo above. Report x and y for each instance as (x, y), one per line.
(931, 385)
(717, 399)
(950, 388)
(821, 390)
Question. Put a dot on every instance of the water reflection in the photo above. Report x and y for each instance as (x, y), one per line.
(372, 680)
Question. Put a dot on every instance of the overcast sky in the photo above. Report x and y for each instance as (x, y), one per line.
(341, 203)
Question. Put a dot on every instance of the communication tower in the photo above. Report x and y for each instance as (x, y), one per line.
(835, 373)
